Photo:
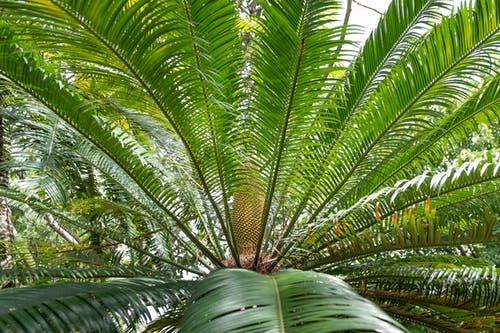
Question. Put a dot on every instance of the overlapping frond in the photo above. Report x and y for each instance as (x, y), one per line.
(409, 231)
(287, 301)
(471, 288)
(435, 290)
(27, 72)
(445, 133)
(407, 105)
(87, 307)
(429, 210)
(471, 179)
(184, 70)
(31, 275)
(419, 108)
(398, 30)
(294, 48)
(178, 113)
(78, 222)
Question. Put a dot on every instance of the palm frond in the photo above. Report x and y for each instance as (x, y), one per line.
(393, 234)
(471, 288)
(403, 108)
(34, 274)
(446, 133)
(395, 35)
(471, 179)
(291, 301)
(288, 103)
(405, 104)
(61, 99)
(87, 307)
(401, 217)
(435, 290)
(187, 66)
(79, 222)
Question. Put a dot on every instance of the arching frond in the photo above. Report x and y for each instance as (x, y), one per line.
(86, 307)
(446, 288)
(76, 221)
(288, 103)
(401, 217)
(471, 288)
(397, 233)
(395, 35)
(142, 125)
(121, 148)
(471, 179)
(405, 107)
(34, 274)
(445, 133)
(287, 301)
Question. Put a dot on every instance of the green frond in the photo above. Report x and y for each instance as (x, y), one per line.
(471, 179)
(40, 145)
(395, 35)
(437, 291)
(86, 307)
(400, 232)
(451, 75)
(137, 124)
(401, 217)
(286, 301)
(470, 288)
(34, 274)
(418, 91)
(481, 108)
(79, 222)
(288, 103)
(427, 319)
(121, 148)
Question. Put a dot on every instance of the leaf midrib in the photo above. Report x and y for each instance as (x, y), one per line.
(156, 100)
(177, 130)
(396, 119)
(279, 306)
(320, 171)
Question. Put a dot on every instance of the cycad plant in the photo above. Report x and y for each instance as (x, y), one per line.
(264, 163)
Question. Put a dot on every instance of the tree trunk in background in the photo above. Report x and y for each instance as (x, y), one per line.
(66, 234)
(6, 226)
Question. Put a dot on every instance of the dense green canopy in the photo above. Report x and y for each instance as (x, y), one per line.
(172, 138)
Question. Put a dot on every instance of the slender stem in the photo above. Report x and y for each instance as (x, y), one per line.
(64, 233)
(367, 7)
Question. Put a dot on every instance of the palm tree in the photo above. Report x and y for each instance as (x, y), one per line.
(292, 156)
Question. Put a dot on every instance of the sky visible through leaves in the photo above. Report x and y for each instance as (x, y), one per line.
(368, 18)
